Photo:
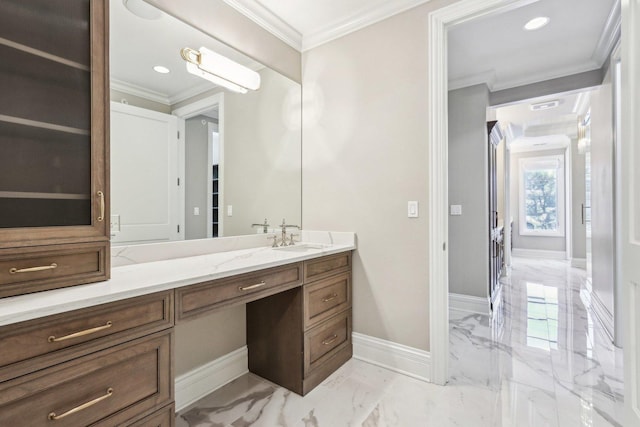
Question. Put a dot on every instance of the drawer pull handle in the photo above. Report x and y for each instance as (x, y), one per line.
(32, 269)
(101, 196)
(248, 288)
(330, 340)
(330, 297)
(52, 338)
(54, 417)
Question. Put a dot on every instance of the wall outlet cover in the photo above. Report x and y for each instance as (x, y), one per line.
(456, 210)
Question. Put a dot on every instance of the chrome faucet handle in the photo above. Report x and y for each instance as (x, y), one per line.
(291, 241)
(275, 240)
(265, 226)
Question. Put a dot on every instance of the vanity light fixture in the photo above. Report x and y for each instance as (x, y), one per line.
(160, 69)
(536, 23)
(220, 70)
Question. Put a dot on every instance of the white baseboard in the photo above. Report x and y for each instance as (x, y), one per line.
(468, 303)
(579, 263)
(538, 253)
(395, 357)
(201, 381)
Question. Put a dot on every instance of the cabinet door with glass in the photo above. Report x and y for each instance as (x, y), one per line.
(53, 144)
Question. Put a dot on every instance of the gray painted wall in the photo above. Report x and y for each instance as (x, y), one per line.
(468, 186)
(546, 243)
(136, 101)
(196, 175)
(602, 194)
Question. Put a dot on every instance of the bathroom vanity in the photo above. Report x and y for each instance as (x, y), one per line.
(102, 354)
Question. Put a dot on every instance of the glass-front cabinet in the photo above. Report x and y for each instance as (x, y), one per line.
(53, 144)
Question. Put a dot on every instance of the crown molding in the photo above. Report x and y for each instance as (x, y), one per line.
(133, 89)
(588, 65)
(486, 77)
(610, 35)
(364, 17)
(268, 20)
(191, 92)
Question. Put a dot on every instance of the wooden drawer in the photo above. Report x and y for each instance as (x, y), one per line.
(320, 268)
(42, 268)
(165, 417)
(39, 343)
(325, 340)
(200, 299)
(108, 387)
(325, 298)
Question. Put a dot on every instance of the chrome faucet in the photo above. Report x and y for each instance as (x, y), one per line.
(265, 226)
(284, 226)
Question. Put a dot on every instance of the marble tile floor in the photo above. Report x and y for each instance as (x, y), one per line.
(543, 360)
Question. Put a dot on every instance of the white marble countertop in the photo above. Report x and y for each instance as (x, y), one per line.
(149, 276)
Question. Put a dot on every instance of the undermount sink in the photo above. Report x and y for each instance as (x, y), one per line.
(302, 247)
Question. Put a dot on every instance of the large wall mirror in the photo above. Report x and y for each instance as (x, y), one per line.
(191, 159)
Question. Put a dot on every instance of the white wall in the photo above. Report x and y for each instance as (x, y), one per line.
(602, 193)
(468, 186)
(365, 140)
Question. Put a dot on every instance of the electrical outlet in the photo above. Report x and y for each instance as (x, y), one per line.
(196, 211)
(456, 210)
(229, 210)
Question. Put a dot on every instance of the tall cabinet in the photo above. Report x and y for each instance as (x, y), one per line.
(54, 195)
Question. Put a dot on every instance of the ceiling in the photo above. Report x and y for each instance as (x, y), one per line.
(497, 50)
(494, 50)
(137, 45)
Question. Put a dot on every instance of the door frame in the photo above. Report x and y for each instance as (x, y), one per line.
(438, 23)
(191, 110)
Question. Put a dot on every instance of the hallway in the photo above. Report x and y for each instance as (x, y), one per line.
(544, 362)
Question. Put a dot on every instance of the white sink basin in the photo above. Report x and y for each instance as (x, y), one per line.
(302, 247)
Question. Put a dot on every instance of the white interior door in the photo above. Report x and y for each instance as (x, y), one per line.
(630, 146)
(145, 193)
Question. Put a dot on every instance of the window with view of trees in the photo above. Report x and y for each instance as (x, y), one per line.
(542, 196)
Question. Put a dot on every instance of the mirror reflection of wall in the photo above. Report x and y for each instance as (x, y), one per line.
(190, 159)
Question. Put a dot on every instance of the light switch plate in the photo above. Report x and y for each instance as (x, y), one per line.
(456, 210)
(229, 210)
(412, 209)
(115, 224)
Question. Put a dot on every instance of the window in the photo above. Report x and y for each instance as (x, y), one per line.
(542, 196)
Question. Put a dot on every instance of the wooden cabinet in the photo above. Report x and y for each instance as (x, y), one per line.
(54, 191)
(101, 366)
(299, 337)
(192, 301)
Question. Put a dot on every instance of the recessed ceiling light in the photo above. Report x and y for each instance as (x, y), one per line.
(160, 69)
(536, 23)
(142, 9)
(547, 105)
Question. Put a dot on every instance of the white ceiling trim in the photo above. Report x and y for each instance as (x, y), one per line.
(363, 18)
(191, 92)
(609, 36)
(140, 91)
(268, 20)
(548, 75)
(487, 77)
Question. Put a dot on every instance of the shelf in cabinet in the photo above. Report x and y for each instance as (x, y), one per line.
(50, 196)
(43, 54)
(42, 125)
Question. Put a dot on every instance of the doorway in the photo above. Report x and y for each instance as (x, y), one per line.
(439, 22)
(202, 124)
